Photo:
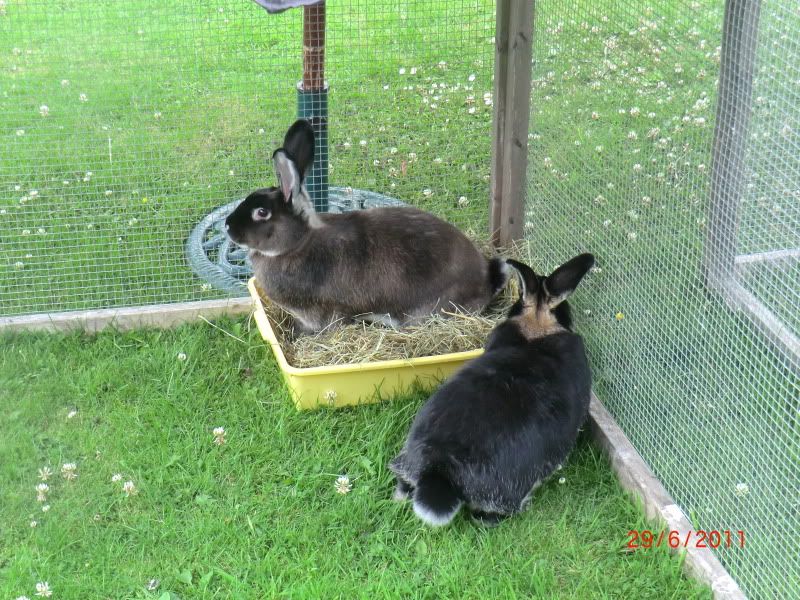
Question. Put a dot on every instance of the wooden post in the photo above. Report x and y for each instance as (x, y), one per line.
(512, 101)
(314, 47)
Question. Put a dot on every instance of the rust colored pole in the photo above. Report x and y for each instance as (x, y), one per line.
(314, 47)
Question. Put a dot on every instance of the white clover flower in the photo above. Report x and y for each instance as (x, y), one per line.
(71, 414)
(362, 143)
(44, 473)
(68, 471)
(133, 221)
(157, 115)
(742, 489)
(43, 589)
(129, 488)
(45, 508)
(402, 71)
(413, 70)
(26, 232)
(346, 145)
(562, 480)
(20, 132)
(83, 98)
(595, 115)
(219, 435)
(64, 82)
(598, 149)
(343, 484)
(392, 150)
(22, 598)
(19, 265)
(412, 156)
(34, 524)
(116, 477)
(33, 193)
(427, 192)
(607, 223)
(631, 235)
(462, 201)
(152, 585)
(637, 168)
(632, 135)
(44, 110)
(182, 356)
(635, 112)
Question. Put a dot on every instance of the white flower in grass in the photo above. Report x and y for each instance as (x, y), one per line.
(362, 143)
(26, 232)
(637, 168)
(632, 135)
(427, 192)
(64, 82)
(22, 598)
(635, 112)
(413, 70)
(44, 110)
(402, 71)
(71, 414)
(19, 265)
(152, 585)
(116, 477)
(471, 77)
(129, 488)
(343, 484)
(471, 110)
(41, 492)
(45, 508)
(462, 201)
(219, 435)
(742, 489)
(182, 356)
(43, 589)
(44, 473)
(632, 235)
(157, 115)
(83, 98)
(34, 524)
(20, 132)
(68, 471)
(562, 480)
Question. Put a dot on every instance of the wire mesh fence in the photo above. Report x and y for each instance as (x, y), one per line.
(123, 123)
(697, 279)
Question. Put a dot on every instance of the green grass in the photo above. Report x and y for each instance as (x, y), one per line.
(258, 517)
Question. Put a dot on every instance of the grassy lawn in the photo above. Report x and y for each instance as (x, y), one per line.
(259, 517)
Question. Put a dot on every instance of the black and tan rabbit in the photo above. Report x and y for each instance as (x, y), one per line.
(489, 436)
(394, 265)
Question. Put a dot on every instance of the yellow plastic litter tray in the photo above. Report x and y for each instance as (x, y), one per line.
(345, 385)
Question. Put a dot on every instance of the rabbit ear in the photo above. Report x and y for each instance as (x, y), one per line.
(299, 145)
(294, 158)
(563, 281)
(528, 280)
(288, 176)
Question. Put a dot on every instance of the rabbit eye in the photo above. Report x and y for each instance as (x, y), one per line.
(261, 214)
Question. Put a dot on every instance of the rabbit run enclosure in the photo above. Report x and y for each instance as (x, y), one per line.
(663, 137)
(125, 124)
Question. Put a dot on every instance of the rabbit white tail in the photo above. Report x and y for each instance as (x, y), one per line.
(436, 501)
(498, 274)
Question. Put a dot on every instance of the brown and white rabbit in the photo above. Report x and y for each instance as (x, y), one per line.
(395, 265)
(489, 436)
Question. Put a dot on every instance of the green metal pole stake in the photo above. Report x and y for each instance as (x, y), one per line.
(312, 101)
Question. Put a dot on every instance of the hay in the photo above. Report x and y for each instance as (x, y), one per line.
(362, 342)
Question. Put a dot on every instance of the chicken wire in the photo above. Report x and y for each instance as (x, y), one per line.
(122, 124)
(691, 315)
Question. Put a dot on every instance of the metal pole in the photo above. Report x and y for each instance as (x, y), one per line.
(312, 101)
(739, 44)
